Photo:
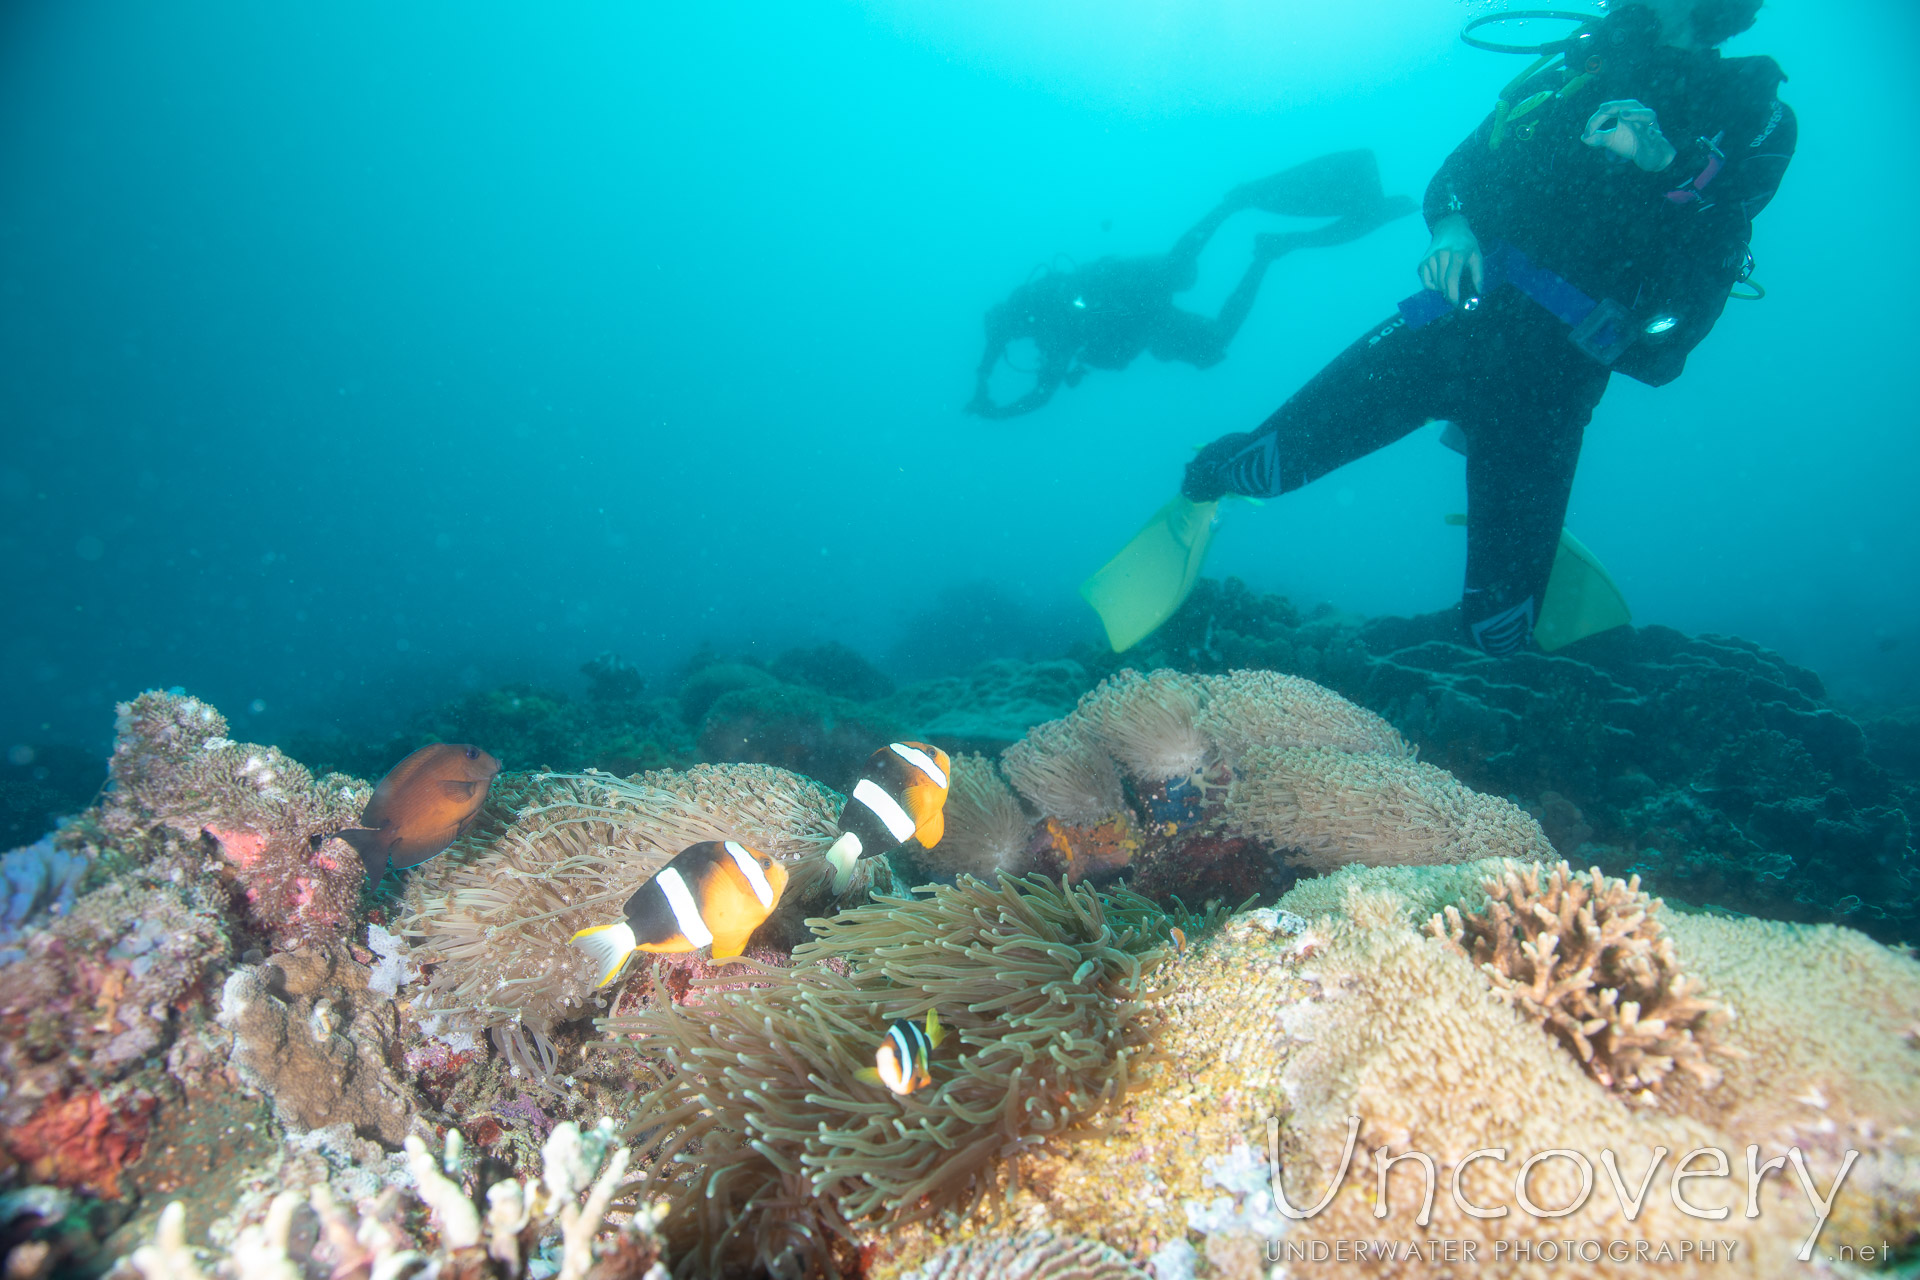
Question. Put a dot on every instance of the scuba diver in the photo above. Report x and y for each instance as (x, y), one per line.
(1103, 315)
(1597, 220)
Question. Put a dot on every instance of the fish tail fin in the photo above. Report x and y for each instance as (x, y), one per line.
(373, 855)
(608, 945)
(935, 1032)
(843, 853)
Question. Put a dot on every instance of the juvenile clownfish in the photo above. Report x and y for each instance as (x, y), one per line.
(717, 891)
(423, 805)
(900, 1063)
(901, 796)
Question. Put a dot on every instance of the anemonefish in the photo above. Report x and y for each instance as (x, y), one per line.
(423, 805)
(900, 1063)
(717, 891)
(901, 796)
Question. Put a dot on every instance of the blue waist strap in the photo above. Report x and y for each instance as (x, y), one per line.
(1601, 329)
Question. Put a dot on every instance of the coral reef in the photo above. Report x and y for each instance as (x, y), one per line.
(1036, 1255)
(551, 1225)
(556, 853)
(1338, 1005)
(1585, 956)
(833, 668)
(795, 727)
(174, 767)
(310, 1034)
(37, 879)
(775, 1153)
(1714, 769)
(992, 705)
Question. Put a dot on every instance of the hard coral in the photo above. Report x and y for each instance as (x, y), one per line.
(174, 768)
(1035, 1255)
(1331, 808)
(556, 853)
(309, 1034)
(1585, 956)
(571, 1198)
(772, 1148)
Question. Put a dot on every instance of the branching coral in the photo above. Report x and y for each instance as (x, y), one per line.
(1334, 808)
(1585, 956)
(556, 853)
(1150, 724)
(174, 767)
(772, 1148)
(1037, 1255)
(986, 827)
(1243, 710)
(1065, 772)
(520, 1216)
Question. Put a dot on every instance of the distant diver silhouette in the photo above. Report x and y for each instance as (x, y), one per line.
(1103, 315)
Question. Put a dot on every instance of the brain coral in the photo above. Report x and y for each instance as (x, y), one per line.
(556, 853)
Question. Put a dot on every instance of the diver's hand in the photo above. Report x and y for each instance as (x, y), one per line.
(1629, 129)
(1453, 255)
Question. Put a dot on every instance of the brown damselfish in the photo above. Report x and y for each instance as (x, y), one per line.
(421, 806)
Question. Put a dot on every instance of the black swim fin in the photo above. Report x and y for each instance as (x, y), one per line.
(1342, 185)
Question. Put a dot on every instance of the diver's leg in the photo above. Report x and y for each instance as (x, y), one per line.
(1521, 459)
(1202, 342)
(1392, 381)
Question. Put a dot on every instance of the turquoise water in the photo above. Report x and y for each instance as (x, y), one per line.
(356, 354)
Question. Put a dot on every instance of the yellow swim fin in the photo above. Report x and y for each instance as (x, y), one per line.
(1581, 600)
(1152, 576)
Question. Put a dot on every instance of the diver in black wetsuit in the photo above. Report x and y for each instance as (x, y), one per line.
(1597, 221)
(1102, 316)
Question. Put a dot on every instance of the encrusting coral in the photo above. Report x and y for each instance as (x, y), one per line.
(309, 1035)
(173, 767)
(1033, 1255)
(540, 1226)
(556, 853)
(1585, 956)
(1329, 808)
(774, 1151)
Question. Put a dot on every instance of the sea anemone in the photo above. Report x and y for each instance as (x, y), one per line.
(556, 853)
(1246, 709)
(1331, 808)
(1150, 724)
(771, 1148)
(1065, 773)
(986, 827)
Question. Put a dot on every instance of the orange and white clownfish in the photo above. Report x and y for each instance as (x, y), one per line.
(717, 891)
(901, 796)
(900, 1063)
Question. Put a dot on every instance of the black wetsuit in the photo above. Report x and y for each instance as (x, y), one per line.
(1662, 247)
